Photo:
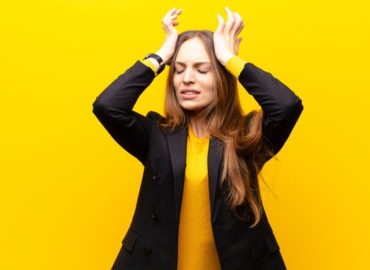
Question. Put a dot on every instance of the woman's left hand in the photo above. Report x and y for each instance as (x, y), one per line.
(226, 40)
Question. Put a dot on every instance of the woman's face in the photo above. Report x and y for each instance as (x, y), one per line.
(194, 77)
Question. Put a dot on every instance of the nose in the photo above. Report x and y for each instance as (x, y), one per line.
(188, 76)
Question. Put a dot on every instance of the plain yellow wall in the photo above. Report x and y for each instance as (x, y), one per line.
(67, 189)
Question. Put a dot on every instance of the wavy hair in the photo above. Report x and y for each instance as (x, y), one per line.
(244, 152)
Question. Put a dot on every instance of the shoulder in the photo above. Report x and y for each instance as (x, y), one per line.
(156, 117)
(157, 120)
(162, 123)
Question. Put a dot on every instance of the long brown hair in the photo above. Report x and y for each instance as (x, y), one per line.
(242, 135)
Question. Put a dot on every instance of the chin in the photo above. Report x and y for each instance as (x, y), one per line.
(192, 108)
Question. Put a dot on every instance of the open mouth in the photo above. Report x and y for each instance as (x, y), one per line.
(189, 92)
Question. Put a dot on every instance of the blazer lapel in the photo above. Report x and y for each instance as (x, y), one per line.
(215, 154)
(177, 149)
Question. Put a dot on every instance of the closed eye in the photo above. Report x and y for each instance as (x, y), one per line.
(178, 71)
(202, 71)
(201, 67)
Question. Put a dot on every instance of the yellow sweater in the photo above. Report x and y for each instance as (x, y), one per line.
(196, 249)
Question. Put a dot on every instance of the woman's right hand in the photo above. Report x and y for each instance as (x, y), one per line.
(169, 22)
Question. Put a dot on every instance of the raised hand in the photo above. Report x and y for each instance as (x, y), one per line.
(226, 40)
(169, 22)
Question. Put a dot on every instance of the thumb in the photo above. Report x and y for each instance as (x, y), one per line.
(236, 45)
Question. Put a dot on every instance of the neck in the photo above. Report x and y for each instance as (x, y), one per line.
(199, 125)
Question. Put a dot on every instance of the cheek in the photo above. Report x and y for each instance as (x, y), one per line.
(212, 96)
(176, 86)
(176, 81)
(212, 92)
(209, 85)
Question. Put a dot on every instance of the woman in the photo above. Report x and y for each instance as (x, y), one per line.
(199, 205)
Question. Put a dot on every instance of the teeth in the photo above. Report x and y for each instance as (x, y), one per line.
(190, 92)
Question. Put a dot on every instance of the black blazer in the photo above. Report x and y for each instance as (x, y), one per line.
(152, 239)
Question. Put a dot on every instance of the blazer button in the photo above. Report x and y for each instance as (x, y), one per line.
(156, 177)
(155, 215)
(147, 250)
(254, 255)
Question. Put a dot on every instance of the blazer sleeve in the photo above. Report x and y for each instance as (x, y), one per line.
(113, 107)
(281, 107)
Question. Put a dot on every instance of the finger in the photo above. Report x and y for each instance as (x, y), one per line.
(175, 13)
(170, 12)
(170, 15)
(229, 13)
(178, 11)
(221, 23)
(236, 45)
(230, 20)
(169, 22)
(238, 26)
(174, 16)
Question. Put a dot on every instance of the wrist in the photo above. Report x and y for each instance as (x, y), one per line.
(156, 60)
(225, 58)
(165, 56)
(235, 65)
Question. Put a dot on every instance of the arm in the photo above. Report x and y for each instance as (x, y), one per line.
(113, 108)
(114, 105)
(280, 105)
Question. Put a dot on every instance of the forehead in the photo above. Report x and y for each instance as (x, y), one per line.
(192, 50)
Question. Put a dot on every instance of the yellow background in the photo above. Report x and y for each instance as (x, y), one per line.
(68, 191)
